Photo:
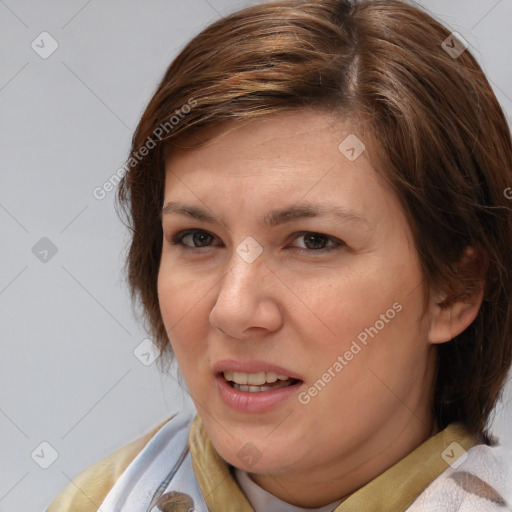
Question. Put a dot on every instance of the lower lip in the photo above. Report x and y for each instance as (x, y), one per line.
(260, 401)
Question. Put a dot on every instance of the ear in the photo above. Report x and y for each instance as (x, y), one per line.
(451, 313)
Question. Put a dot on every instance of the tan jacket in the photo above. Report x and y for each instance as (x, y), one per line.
(88, 490)
(392, 491)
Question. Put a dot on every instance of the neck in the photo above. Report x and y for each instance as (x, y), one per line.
(348, 472)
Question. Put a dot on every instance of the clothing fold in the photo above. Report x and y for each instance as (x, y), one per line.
(176, 467)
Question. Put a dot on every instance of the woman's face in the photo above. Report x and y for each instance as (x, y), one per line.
(284, 255)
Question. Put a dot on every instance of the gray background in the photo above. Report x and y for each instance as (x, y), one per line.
(68, 373)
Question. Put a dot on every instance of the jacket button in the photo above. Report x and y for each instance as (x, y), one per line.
(175, 502)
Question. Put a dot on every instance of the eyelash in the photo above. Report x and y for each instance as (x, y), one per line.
(177, 239)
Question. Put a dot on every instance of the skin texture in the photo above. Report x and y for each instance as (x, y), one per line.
(300, 307)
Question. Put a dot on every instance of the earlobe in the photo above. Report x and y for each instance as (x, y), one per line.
(450, 314)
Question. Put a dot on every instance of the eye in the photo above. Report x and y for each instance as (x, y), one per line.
(317, 242)
(308, 241)
(193, 238)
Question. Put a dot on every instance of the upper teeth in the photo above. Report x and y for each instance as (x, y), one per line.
(254, 379)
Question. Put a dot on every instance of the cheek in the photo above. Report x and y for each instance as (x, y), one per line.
(370, 360)
(339, 306)
(183, 304)
(375, 312)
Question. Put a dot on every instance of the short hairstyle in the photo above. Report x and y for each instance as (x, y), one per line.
(439, 136)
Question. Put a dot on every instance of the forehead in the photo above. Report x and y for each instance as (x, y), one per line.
(277, 159)
(294, 137)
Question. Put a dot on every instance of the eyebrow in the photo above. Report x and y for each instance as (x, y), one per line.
(274, 217)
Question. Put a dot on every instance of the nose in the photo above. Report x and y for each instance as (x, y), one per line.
(246, 303)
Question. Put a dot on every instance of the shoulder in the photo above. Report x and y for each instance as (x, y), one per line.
(481, 479)
(86, 492)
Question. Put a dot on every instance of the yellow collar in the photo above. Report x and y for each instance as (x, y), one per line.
(216, 481)
(396, 489)
(392, 491)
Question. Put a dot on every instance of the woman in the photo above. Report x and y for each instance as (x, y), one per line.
(320, 236)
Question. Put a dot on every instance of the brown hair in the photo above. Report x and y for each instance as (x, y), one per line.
(441, 139)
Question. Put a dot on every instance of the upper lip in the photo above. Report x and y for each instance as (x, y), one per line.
(252, 366)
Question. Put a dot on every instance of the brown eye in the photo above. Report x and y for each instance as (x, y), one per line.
(200, 238)
(315, 241)
(194, 239)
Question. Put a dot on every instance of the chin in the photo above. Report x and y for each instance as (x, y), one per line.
(255, 456)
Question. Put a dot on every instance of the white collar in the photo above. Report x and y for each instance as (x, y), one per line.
(263, 501)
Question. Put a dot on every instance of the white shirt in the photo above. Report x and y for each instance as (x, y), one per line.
(263, 501)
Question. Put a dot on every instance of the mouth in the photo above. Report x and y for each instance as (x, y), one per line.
(255, 386)
(258, 382)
